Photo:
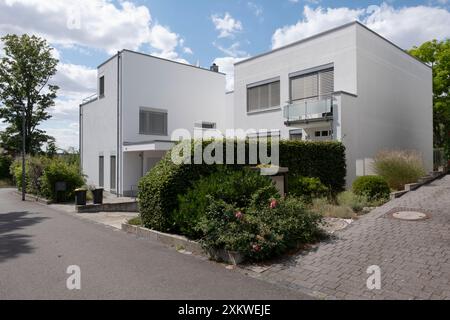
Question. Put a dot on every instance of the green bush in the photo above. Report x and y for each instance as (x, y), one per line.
(159, 189)
(399, 167)
(258, 233)
(239, 188)
(373, 187)
(356, 202)
(5, 164)
(60, 171)
(307, 188)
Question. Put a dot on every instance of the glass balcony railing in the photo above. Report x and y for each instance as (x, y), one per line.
(309, 109)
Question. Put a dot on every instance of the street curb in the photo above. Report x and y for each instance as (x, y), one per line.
(31, 197)
(414, 186)
(165, 238)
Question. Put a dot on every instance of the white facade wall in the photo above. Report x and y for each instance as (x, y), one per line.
(393, 109)
(99, 128)
(338, 47)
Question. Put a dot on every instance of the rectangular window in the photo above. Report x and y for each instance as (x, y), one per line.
(101, 86)
(312, 85)
(101, 172)
(205, 125)
(263, 97)
(296, 135)
(152, 122)
(112, 173)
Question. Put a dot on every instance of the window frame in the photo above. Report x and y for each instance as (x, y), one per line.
(101, 86)
(309, 72)
(158, 111)
(266, 82)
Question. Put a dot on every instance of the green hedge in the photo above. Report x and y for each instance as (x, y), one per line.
(159, 189)
(42, 173)
(5, 163)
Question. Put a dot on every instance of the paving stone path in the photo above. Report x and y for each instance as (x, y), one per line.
(413, 256)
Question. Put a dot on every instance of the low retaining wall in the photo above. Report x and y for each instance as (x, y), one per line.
(177, 241)
(422, 181)
(32, 197)
(109, 207)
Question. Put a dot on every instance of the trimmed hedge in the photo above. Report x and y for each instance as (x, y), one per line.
(5, 163)
(159, 188)
(373, 187)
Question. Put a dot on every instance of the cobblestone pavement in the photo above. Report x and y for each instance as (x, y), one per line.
(414, 256)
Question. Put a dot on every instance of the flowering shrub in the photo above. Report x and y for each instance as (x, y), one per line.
(258, 233)
(239, 187)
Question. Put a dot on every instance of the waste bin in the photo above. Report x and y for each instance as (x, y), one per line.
(80, 197)
(98, 195)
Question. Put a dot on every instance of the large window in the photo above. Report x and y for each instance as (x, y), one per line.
(262, 97)
(312, 85)
(101, 87)
(153, 122)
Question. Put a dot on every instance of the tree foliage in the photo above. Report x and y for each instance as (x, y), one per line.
(25, 71)
(437, 55)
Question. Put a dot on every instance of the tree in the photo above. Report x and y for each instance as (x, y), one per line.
(437, 55)
(25, 71)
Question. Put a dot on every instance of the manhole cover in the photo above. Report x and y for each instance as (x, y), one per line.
(409, 215)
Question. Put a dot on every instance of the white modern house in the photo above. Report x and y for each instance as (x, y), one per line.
(347, 84)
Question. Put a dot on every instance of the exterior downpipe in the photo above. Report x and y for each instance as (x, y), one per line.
(119, 154)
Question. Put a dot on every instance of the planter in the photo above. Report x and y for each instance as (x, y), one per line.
(98, 195)
(80, 197)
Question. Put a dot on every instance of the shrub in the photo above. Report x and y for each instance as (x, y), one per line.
(159, 189)
(258, 233)
(323, 207)
(57, 171)
(5, 163)
(373, 187)
(239, 188)
(352, 200)
(399, 167)
(307, 188)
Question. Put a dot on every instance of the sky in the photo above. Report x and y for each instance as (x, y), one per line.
(85, 33)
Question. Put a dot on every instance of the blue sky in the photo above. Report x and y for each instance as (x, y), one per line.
(86, 32)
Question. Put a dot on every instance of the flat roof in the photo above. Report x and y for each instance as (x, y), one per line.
(325, 33)
(159, 58)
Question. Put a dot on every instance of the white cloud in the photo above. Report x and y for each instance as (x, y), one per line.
(226, 65)
(93, 24)
(256, 8)
(405, 26)
(234, 50)
(74, 79)
(227, 26)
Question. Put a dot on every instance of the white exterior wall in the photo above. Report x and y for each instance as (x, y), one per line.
(188, 94)
(393, 109)
(99, 128)
(338, 47)
(229, 110)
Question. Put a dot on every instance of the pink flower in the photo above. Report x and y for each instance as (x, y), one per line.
(239, 215)
(256, 247)
(273, 204)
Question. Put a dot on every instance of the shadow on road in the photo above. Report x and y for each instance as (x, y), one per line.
(13, 244)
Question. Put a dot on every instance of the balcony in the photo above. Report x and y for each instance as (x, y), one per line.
(309, 110)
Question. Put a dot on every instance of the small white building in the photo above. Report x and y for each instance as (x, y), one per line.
(127, 126)
(347, 84)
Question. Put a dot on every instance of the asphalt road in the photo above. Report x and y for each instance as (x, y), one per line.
(38, 243)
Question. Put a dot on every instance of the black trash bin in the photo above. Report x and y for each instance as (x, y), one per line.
(98, 195)
(80, 197)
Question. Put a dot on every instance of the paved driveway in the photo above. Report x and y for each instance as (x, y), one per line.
(38, 243)
(414, 256)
